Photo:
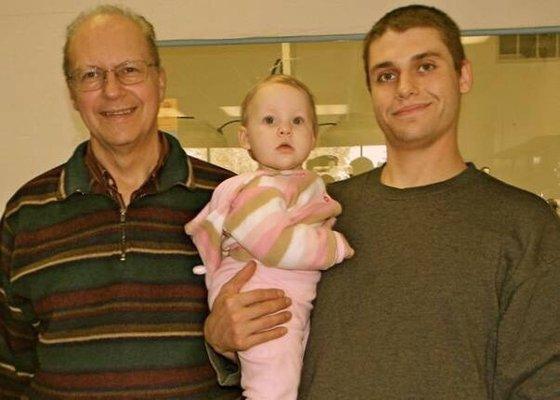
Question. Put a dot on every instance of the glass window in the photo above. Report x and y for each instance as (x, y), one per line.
(509, 121)
(547, 45)
(528, 46)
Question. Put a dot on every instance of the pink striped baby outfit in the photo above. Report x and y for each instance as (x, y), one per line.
(283, 220)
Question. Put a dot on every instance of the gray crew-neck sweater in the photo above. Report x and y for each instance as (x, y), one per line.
(454, 293)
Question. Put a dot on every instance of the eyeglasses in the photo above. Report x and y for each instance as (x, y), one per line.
(93, 78)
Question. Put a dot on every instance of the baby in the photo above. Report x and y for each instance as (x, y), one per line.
(281, 217)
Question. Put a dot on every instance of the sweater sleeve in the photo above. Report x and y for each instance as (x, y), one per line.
(17, 335)
(528, 349)
(288, 230)
(206, 229)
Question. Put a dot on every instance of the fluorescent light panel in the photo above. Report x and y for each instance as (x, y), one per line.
(474, 39)
(320, 109)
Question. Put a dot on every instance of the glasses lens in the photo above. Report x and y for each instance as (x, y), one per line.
(131, 72)
(88, 78)
(93, 78)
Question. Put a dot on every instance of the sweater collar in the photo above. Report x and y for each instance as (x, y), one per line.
(174, 169)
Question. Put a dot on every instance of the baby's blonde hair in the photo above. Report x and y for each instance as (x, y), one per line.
(283, 80)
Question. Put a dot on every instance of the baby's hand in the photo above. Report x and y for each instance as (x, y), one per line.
(343, 249)
(348, 251)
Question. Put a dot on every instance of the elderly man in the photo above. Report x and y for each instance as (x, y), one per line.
(454, 291)
(97, 294)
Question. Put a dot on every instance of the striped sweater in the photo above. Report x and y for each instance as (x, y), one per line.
(283, 219)
(101, 303)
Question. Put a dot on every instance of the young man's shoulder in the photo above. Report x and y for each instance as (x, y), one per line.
(511, 198)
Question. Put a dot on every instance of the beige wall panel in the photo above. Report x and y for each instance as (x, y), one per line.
(39, 127)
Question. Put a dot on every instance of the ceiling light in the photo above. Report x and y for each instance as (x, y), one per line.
(474, 39)
(232, 111)
(320, 109)
(331, 109)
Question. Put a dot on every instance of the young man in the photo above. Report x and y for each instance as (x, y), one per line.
(97, 295)
(454, 292)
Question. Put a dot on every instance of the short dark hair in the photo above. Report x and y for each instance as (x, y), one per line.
(282, 80)
(417, 16)
(107, 9)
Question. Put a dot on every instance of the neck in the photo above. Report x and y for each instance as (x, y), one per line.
(131, 166)
(407, 168)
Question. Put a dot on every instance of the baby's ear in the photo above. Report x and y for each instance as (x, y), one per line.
(243, 138)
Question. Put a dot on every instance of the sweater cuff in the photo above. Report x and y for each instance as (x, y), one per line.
(228, 372)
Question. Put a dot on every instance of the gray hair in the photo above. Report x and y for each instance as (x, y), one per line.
(108, 9)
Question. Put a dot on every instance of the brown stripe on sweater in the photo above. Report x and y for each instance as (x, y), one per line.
(145, 393)
(184, 247)
(65, 240)
(162, 247)
(134, 291)
(43, 182)
(156, 226)
(168, 215)
(81, 224)
(68, 239)
(108, 380)
(48, 177)
(124, 307)
(8, 394)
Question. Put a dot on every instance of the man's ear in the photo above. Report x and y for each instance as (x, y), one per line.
(243, 138)
(465, 77)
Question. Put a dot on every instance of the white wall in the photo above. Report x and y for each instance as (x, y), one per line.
(39, 127)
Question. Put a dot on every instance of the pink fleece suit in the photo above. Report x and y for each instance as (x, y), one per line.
(282, 220)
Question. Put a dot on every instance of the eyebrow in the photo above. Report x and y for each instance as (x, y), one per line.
(416, 57)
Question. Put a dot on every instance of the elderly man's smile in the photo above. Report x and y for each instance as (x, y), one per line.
(122, 112)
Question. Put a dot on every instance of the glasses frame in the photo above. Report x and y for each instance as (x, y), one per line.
(103, 75)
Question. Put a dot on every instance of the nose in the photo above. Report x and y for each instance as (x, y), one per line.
(112, 87)
(407, 85)
(285, 129)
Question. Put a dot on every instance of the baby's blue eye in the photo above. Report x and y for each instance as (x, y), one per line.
(298, 120)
